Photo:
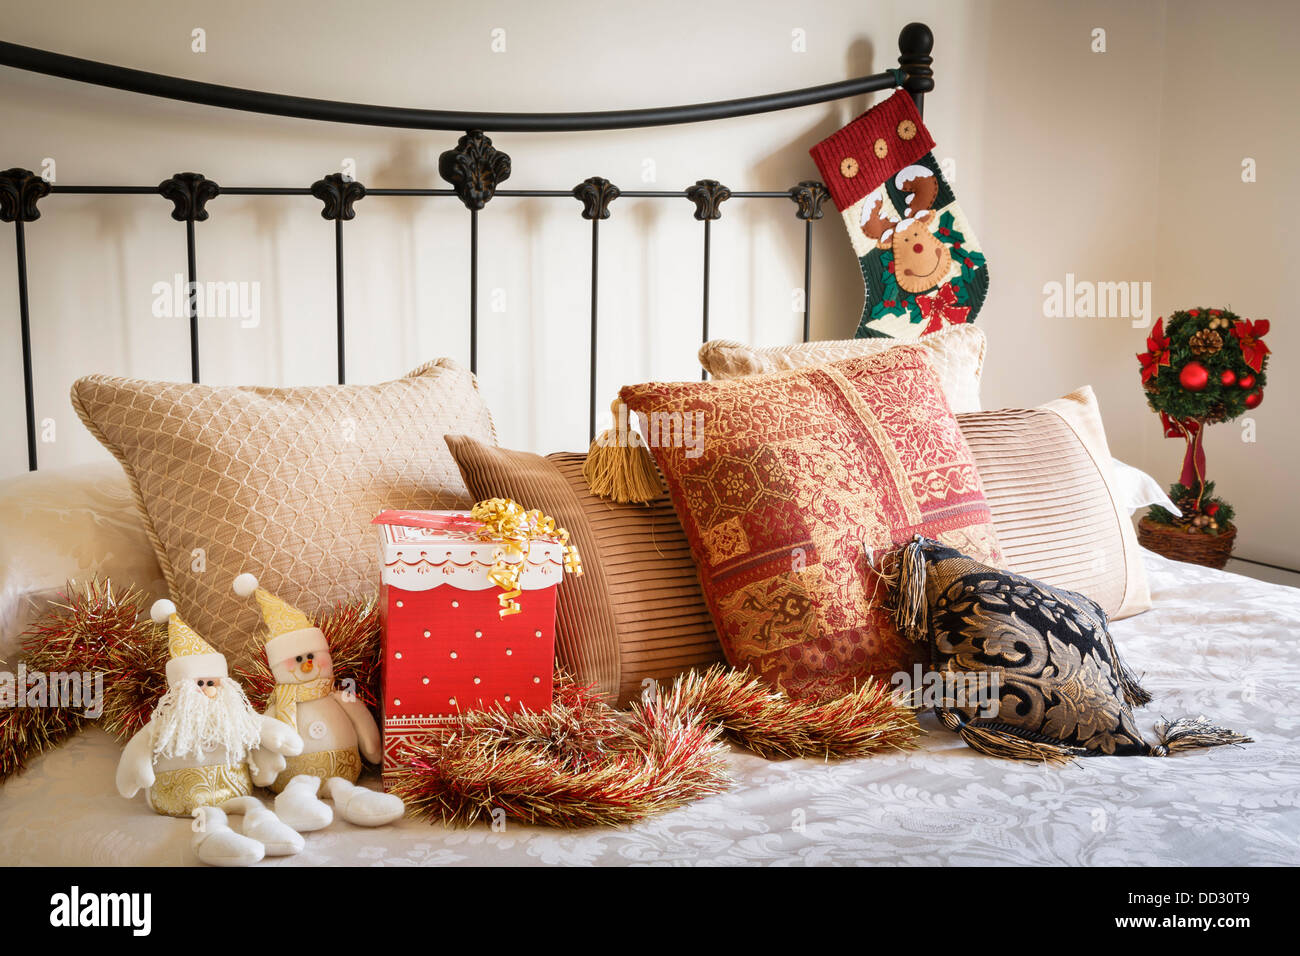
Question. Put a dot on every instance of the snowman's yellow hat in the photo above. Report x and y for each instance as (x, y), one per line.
(191, 656)
(289, 632)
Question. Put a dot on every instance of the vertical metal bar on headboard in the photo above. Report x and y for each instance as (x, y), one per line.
(25, 321)
(473, 291)
(708, 196)
(808, 197)
(807, 280)
(595, 194)
(338, 299)
(338, 193)
(19, 191)
(189, 193)
(191, 260)
(474, 168)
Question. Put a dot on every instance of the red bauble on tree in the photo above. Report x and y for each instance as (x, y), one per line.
(1194, 377)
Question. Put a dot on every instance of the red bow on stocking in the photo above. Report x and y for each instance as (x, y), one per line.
(942, 307)
(1189, 429)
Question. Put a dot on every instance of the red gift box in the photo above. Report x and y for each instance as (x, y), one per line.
(447, 648)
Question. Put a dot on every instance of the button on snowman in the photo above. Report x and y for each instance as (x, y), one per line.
(337, 729)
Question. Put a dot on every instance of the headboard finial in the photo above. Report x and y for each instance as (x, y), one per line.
(915, 42)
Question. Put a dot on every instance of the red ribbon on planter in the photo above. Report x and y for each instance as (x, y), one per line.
(1189, 429)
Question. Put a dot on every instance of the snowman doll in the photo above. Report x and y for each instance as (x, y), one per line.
(336, 728)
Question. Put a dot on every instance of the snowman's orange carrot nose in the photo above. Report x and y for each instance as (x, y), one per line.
(307, 665)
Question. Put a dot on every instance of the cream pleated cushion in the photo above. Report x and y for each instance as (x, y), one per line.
(1059, 512)
(281, 482)
(956, 354)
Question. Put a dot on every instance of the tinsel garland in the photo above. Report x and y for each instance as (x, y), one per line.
(582, 763)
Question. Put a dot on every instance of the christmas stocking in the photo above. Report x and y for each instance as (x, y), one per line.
(921, 264)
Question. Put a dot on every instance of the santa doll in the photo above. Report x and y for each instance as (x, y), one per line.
(336, 728)
(203, 737)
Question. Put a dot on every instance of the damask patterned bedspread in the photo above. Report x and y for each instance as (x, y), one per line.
(1215, 643)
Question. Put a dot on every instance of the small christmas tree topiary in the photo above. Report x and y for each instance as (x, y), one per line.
(1204, 367)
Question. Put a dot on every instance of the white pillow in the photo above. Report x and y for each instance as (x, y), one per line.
(956, 354)
(1138, 489)
(58, 525)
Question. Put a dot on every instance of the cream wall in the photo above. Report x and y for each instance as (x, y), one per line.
(1113, 166)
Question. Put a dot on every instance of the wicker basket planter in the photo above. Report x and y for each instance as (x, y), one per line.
(1210, 550)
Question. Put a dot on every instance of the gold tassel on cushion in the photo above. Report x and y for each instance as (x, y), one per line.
(619, 466)
(1000, 740)
(1190, 733)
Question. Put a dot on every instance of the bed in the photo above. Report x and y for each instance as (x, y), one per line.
(942, 804)
(1213, 642)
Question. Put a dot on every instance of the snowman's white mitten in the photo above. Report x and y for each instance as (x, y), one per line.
(265, 765)
(265, 827)
(280, 737)
(365, 808)
(218, 845)
(298, 805)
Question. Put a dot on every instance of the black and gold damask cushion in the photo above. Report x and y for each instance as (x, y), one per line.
(1027, 670)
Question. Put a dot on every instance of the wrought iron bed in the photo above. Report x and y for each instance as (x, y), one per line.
(474, 170)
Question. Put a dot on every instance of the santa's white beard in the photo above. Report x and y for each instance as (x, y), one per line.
(188, 722)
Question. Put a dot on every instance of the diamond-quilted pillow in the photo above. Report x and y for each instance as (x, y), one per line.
(788, 485)
(281, 482)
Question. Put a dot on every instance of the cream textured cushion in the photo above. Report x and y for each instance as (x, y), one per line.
(956, 354)
(67, 524)
(1058, 509)
(281, 482)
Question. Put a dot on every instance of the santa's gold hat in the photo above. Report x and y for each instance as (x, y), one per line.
(191, 656)
(289, 632)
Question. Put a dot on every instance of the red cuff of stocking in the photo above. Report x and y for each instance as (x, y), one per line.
(877, 144)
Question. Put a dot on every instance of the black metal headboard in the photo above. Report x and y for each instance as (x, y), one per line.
(474, 168)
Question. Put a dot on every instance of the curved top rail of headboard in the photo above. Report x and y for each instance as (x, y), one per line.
(915, 75)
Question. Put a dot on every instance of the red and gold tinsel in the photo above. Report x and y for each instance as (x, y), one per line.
(582, 763)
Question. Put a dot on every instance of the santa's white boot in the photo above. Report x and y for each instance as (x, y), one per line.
(218, 845)
(265, 827)
(298, 805)
(365, 808)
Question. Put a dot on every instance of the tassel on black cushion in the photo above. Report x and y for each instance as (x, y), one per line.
(1192, 733)
(912, 612)
(1001, 740)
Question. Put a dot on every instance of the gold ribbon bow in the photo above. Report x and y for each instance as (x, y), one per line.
(507, 521)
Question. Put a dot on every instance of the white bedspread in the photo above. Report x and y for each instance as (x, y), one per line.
(1215, 643)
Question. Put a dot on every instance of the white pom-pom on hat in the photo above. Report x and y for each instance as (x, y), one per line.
(162, 610)
(245, 584)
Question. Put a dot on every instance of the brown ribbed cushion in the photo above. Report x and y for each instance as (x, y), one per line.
(636, 611)
(1050, 484)
(281, 482)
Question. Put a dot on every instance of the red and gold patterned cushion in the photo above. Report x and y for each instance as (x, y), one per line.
(784, 481)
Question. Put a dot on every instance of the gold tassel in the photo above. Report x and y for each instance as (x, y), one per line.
(1191, 733)
(912, 612)
(999, 740)
(619, 467)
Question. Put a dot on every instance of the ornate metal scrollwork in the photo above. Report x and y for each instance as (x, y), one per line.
(338, 194)
(475, 168)
(19, 191)
(596, 194)
(809, 196)
(189, 192)
(708, 195)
